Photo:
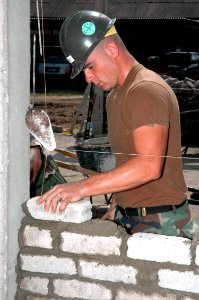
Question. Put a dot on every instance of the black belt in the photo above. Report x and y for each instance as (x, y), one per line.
(143, 211)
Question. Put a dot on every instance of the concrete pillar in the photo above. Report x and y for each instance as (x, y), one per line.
(14, 138)
(4, 149)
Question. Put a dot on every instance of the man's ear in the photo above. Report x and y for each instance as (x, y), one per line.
(112, 48)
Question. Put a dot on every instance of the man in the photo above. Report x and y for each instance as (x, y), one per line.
(143, 129)
(44, 172)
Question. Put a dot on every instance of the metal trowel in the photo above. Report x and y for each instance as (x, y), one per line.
(37, 121)
(39, 125)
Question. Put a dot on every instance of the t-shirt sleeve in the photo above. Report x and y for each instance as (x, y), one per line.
(146, 104)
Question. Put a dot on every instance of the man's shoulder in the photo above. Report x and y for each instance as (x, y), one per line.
(146, 78)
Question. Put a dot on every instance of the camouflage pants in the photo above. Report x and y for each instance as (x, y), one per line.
(48, 177)
(177, 222)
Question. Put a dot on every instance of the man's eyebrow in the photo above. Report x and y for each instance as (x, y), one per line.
(86, 66)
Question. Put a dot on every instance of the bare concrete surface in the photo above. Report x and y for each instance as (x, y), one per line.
(190, 167)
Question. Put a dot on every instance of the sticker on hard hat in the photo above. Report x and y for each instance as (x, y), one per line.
(70, 59)
(88, 28)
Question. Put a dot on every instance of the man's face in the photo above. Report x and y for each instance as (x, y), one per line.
(100, 69)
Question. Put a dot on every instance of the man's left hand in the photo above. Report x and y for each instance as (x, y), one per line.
(64, 193)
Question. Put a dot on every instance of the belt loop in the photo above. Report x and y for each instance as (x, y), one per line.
(143, 210)
(174, 209)
(125, 212)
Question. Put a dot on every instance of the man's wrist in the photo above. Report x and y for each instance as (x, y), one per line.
(82, 189)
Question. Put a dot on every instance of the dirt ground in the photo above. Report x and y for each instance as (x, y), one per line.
(60, 109)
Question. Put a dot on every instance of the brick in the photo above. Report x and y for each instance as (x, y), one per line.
(180, 281)
(187, 298)
(79, 243)
(132, 295)
(197, 255)
(40, 298)
(34, 237)
(77, 212)
(159, 248)
(114, 273)
(81, 290)
(48, 264)
(35, 284)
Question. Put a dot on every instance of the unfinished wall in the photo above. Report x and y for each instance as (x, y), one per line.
(98, 260)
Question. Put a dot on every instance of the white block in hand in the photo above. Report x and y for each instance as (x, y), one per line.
(76, 212)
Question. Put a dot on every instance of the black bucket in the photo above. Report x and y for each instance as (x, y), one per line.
(95, 154)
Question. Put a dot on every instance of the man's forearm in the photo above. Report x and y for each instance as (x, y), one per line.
(131, 174)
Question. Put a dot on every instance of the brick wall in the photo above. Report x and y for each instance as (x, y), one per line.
(98, 260)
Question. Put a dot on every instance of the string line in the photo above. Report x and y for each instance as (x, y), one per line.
(136, 154)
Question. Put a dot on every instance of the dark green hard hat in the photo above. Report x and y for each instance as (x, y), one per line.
(80, 33)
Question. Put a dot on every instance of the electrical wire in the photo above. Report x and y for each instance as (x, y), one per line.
(42, 53)
(44, 58)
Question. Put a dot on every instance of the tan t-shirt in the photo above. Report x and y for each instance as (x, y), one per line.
(144, 99)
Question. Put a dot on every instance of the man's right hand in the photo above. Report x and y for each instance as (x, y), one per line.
(109, 215)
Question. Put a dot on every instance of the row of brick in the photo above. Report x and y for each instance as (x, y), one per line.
(77, 289)
(185, 281)
(150, 247)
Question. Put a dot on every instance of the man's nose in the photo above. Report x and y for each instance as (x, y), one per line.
(88, 75)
